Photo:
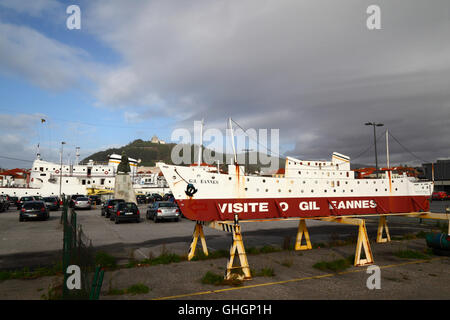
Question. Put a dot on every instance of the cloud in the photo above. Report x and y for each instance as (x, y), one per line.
(41, 60)
(35, 8)
(311, 69)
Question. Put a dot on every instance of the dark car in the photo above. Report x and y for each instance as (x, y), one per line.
(157, 197)
(4, 203)
(95, 200)
(125, 211)
(52, 203)
(108, 207)
(140, 198)
(163, 210)
(34, 210)
(13, 200)
(73, 198)
(22, 200)
(169, 197)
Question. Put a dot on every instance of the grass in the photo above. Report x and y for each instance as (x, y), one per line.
(335, 265)
(264, 272)
(26, 273)
(411, 254)
(218, 280)
(105, 260)
(135, 289)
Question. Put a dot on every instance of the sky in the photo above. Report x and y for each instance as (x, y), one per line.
(311, 69)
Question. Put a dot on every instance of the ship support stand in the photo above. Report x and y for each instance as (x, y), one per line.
(363, 252)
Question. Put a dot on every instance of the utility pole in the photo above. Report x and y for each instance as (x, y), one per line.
(61, 169)
(375, 141)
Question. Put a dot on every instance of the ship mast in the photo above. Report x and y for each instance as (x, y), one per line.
(232, 141)
(201, 145)
(387, 148)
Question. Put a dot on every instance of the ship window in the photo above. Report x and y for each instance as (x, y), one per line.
(174, 178)
(347, 174)
(83, 182)
(109, 181)
(304, 181)
(290, 190)
(374, 181)
(67, 181)
(343, 190)
(248, 179)
(279, 190)
(396, 189)
(309, 163)
(246, 189)
(257, 189)
(351, 190)
(385, 189)
(312, 190)
(299, 172)
(46, 169)
(324, 190)
(358, 182)
(334, 190)
(301, 191)
(229, 178)
(267, 190)
(264, 180)
(376, 190)
(102, 181)
(213, 177)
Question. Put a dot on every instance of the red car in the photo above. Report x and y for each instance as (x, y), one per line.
(439, 195)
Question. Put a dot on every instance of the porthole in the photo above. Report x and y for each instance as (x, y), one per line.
(334, 190)
(343, 190)
(351, 190)
(301, 191)
(267, 190)
(279, 190)
(312, 190)
(257, 189)
(299, 172)
(385, 189)
(290, 190)
(264, 180)
(229, 178)
(396, 189)
(174, 177)
(374, 182)
(325, 191)
(376, 190)
(246, 189)
(304, 182)
(213, 177)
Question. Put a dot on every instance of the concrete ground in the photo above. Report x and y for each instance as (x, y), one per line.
(294, 278)
(37, 243)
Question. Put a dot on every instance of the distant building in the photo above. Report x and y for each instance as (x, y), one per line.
(441, 174)
(14, 178)
(155, 139)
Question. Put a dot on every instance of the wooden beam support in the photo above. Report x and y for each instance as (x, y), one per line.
(302, 230)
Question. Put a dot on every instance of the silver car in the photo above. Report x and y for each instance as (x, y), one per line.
(82, 203)
(163, 210)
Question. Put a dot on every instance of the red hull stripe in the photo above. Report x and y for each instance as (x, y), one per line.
(246, 209)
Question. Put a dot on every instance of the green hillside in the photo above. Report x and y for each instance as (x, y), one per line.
(150, 153)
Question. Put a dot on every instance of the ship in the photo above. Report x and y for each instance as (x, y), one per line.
(48, 178)
(306, 189)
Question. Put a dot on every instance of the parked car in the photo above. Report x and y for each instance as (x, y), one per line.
(73, 198)
(169, 197)
(439, 195)
(140, 198)
(95, 199)
(82, 203)
(125, 211)
(52, 203)
(13, 200)
(22, 200)
(34, 210)
(4, 203)
(163, 210)
(108, 207)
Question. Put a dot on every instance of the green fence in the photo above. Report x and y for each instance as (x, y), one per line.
(78, 251)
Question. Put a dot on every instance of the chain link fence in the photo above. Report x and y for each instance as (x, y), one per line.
(78, 251)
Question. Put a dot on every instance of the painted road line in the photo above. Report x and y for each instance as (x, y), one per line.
(293, 280)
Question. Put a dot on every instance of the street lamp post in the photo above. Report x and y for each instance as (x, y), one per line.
(375, 141)
(61, 169)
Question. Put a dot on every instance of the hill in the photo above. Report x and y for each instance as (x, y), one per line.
(150, 153)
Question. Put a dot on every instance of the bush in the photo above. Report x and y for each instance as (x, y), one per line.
(105, 260)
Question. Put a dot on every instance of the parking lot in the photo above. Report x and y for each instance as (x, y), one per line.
(39, 243)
